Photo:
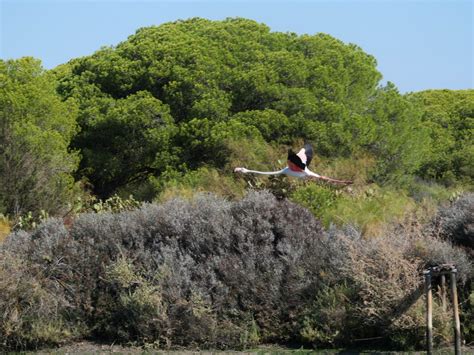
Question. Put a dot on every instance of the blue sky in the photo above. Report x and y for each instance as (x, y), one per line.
(418, 44)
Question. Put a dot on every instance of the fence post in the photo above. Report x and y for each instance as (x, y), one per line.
(443, 292)
(429, 312)
(457, 324)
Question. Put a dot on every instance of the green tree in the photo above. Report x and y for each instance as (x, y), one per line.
(203, 141)
(35, 131)
(449, 117)
(401, 141)
(124, 141)
(273, 125)
(209, 73)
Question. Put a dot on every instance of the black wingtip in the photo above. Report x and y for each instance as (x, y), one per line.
(308, 149)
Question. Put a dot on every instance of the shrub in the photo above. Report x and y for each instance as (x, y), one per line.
(381, 275)
(205, 272)
(456, 221)
(33, 303)
(210, 273)
(133, 308)
(375, 288)
(326, 320)
(467, 316)
(317, 199)
(421, 190)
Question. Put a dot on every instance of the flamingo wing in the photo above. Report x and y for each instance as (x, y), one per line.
(296, 161)
(305, 155)
(308, 150)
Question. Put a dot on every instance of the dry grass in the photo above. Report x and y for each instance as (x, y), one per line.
(382, 278)
(5, 228)
(204, 179)
(357, 169)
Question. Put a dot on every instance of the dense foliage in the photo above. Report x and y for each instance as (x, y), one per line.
(449, 117)
(198, 84)
(36, 128)
(456, 222)
(200, 94)
(216, 274)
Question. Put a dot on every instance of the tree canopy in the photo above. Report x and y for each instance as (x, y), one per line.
(449, 118)
(190, 94)
(234, 76)
(36, 128)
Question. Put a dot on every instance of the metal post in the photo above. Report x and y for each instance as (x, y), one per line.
(443, 292)
(429, 313)
(457, 324)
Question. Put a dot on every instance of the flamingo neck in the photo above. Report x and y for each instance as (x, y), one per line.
(265, 172)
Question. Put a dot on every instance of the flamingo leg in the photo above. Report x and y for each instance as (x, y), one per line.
(331, 180)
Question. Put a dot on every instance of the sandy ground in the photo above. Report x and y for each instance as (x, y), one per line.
(87, 347)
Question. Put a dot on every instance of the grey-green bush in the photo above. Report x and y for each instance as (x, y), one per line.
(210, 273)
(456, 221)
(202, 273)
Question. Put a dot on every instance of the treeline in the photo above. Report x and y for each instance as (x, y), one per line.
(188, 97)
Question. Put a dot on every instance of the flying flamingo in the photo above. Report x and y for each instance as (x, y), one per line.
(297, 167)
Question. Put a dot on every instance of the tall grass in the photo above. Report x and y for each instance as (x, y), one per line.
(371, 211)
(4, 227)
(204, 179)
